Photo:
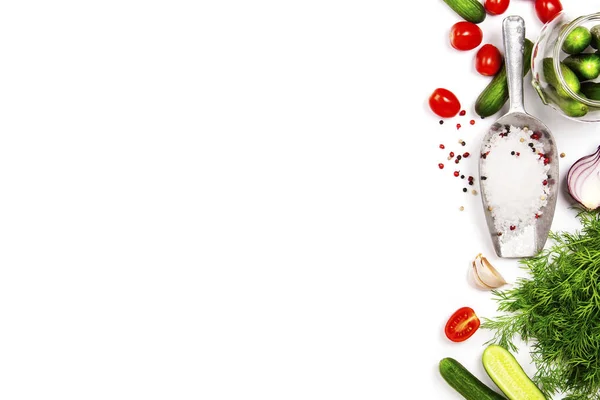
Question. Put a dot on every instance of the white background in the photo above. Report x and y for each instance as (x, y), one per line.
(239, 199)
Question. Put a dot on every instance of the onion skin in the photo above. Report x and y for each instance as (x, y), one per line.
(585, 168)
(575, 168)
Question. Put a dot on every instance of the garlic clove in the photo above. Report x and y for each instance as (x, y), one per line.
(477, 280)
(485, 275)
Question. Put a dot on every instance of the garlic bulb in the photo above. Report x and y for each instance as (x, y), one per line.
(485, 275)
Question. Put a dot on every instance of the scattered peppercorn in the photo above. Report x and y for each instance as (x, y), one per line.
(463, 113)
(462, 177)
(490, 208)
(459, 157)
(562, 155)
(512, 227)
(458, 126)
(545, 182)
(456, 161)
(512, 153)
(483, 178)
(461, 208)
(456, 173)
(471, 183)
(472, 122)
(465, 155)
(465, 190)
(442, 146)
(441, 166)
(451, 154)
(499, 234)
(522, 140)
(441, 122)
(530, 145)
(463, 143)
(474, 192)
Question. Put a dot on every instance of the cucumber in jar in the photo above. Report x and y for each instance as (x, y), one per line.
(586, 65)
(569, 77)
(577, 41)
(595, 32)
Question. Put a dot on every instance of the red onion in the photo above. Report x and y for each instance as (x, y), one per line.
(583, 181)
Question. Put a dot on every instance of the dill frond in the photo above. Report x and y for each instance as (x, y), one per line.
(556, 310)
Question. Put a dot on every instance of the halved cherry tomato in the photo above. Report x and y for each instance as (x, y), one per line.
(488, 60)
(465, 35)
(546, 10)
(462, 324)
(444, 103)
(496, 7)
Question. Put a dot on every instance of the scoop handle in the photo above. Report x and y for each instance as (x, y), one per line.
(513, 32)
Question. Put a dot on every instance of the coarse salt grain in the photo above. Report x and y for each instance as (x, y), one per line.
(514, 186)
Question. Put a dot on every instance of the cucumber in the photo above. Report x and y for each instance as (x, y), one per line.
(591, 90)
(466, 383)
(570, 78)
(571, 107)
(595, 31)
(508, 375)
(470, 10)
(577, 41)
(495, 95)
(586, 66)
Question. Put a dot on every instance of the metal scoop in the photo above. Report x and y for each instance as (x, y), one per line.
(525, 242)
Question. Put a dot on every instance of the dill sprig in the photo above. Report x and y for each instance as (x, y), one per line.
(556, 310)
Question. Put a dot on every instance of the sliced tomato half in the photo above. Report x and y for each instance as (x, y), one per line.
(462, 324)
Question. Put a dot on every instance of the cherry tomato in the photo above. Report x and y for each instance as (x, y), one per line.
(546, 10)
(444, 103)
(462, 324)
(496, 7)
(488, 60)
(465, 36)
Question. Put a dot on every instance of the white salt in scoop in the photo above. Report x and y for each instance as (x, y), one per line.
(518, 166)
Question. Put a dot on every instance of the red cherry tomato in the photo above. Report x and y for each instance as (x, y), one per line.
(462, 325)
(465, 36)
(496, 7)
(444, 103)
(488, 60)
(546, 10)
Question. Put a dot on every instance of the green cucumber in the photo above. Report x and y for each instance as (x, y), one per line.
(570, 107)
(466, 383)
(586, 66)
(591, 90)
(508, 375)
(495, 95)
(577, 41)
(595, 31)
(569, 76)
(470, 10)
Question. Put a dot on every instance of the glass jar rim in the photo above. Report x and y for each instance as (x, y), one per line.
(556, 57)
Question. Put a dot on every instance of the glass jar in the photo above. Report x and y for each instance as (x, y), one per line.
(547, 57)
